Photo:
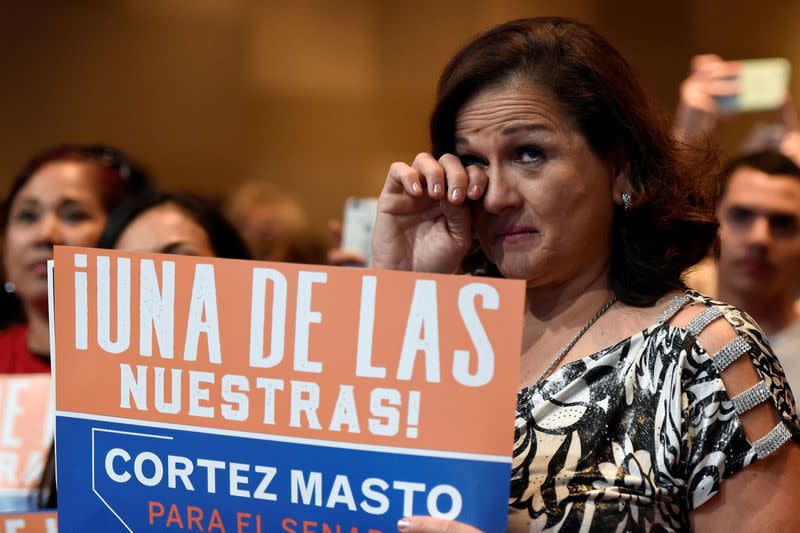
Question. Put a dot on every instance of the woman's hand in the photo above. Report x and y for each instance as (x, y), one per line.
(426, 524)
(710, 78)
(423, 223)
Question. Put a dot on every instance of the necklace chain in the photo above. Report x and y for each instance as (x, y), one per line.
(574, 340)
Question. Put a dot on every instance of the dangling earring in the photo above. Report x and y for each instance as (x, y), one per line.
(9, 287)
(627, 201)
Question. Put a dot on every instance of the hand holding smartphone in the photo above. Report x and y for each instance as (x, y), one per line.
(763, 85)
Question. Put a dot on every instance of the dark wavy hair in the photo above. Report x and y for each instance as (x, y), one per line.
(671, 224)
(223, 237)
(118, 178)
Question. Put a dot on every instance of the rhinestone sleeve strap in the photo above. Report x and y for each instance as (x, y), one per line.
(730, 353)
(702, 321)
(773, 440)
(753, 396)
(673, 307)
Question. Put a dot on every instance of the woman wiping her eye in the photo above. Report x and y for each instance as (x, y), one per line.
(641, 406)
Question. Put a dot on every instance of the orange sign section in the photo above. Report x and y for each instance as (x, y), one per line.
(340, 354)
(43, 522)
(26, 432)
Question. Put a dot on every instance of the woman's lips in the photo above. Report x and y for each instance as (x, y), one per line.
(515, 234)
(39, 268)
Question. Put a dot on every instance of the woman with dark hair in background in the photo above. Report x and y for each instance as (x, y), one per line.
(62, 196)
(171, 223)
(639, 401)
(160, 223)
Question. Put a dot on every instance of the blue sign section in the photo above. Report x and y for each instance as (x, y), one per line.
(125, 477)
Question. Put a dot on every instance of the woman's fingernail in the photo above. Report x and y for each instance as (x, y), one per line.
(437, 188)
(456, 194)
(415, 187)
(473, 191)
(403, 524)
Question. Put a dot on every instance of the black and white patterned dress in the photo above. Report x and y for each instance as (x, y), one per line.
(634, 437)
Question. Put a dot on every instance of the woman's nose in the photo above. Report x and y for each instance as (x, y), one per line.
(502, 193)
(50, 229)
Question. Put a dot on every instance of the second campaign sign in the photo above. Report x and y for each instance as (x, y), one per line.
(235, 396)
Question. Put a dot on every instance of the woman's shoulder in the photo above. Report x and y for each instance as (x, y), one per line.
(694, 311)
(737, 399)
(737, 318)
(15, 356)
(12, 340)
(12, 336)
(720, 330)
(726, 334)
(741, 357)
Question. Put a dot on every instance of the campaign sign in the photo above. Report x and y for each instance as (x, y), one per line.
(38, 522)
(197, 394)
(26, 433)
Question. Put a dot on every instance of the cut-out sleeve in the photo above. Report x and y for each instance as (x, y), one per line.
(737, 405)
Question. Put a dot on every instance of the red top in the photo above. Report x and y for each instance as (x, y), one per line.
(16, 357)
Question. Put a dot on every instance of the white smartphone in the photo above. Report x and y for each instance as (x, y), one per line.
(763, 85)
(357, 226)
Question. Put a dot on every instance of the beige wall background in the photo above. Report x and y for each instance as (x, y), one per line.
(316, 96)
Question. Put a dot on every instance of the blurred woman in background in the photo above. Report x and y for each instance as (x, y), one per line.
(273, 225)
(62, 196)
(159, 223)
(172, 223)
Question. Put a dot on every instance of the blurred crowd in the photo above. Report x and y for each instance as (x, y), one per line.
(95, 196)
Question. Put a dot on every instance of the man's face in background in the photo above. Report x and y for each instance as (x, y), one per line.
(759, 218)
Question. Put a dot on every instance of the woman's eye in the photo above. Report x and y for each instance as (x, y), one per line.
(75, 216)
(467, 160)
(529, 154)
(26, 216)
